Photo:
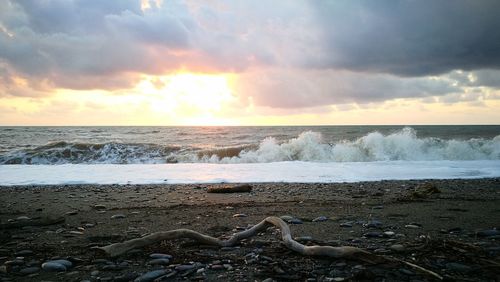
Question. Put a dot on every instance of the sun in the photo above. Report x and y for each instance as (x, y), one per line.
(192, 98)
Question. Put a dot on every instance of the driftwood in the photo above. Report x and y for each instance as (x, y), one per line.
(230, 189)
(118, 249)
(41, 221)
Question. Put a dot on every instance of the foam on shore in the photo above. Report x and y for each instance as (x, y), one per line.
(295, 171)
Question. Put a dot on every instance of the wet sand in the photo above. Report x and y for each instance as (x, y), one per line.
(451, 233)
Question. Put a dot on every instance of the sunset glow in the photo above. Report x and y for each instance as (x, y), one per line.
(155, 62)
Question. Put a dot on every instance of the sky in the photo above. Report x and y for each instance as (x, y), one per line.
(154, 62)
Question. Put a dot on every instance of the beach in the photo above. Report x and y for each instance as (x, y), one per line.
(449, 229)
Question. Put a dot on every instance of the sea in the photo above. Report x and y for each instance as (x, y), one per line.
(239, 154)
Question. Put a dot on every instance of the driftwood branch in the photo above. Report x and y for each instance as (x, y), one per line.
(118, 249)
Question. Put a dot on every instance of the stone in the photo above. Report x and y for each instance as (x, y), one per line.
(160, 256)
(150, 276)
(24, 253)
(488, 233)
(118, 216)
(99, 207)
(183, 267)
(373, 235)
(320, 219)
(29, 270)
(397, 248)
(458, 267)
(240, 215)
(373, 224)
(159, 261)
(346, 224)
(53, 266)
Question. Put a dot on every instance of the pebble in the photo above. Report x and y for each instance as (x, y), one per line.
(389, 233)
(126, 277)
(397, 248)
(373, 224)
(76, 232)
(159, 261)
(53, 266)
(160, 256)
(240, 215)
(373, 235)
(64, 262)
(29, 270)
(150, 276)
(295, 221)
(72, 213)
(24, 253)
(118, 216)
(488, 233)
(458, 267)
(346, 224)
(183, 267)
(100, 207)
(320, 219)
(412, 226)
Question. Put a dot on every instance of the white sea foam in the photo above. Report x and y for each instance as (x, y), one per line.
(402, 145)
(296, 171)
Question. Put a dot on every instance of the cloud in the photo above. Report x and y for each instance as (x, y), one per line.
(288, 54)
(409, 38)
(297, 88)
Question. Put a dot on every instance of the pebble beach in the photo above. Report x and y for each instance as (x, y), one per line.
(450, 231)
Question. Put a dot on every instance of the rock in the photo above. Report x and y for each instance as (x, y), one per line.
(160, 256)
(125, 277)
(397, 248)
(24, 253)
(159, 261)
(53, 266)
(230, 189)
(425, 191)
(240, 215)
(373, 235)
(183, 267)
(389, 233)
(118, 216)
(346, 224)
(488, 233)
(99, 207)
(150, 276)
(291, 219)
(320, 219)
(373, 224)
(29, 270)
(71, 213)
(458, 267)
(412, 226)
(76, 232)
(64, 262)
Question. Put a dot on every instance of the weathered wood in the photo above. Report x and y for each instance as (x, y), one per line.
(230, 189)
(118, 249)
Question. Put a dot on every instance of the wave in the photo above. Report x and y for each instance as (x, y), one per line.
(403, 145)
(89, 153)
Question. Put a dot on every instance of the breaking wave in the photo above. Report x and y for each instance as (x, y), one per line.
(403, 145)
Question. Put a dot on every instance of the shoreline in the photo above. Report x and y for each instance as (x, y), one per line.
(358, 214)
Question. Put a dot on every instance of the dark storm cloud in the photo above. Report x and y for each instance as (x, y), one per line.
(410, 38)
